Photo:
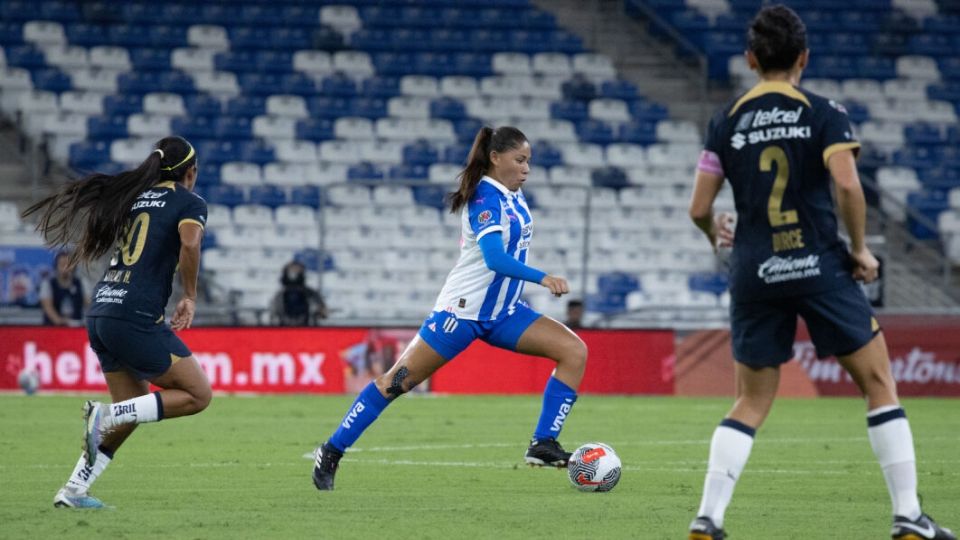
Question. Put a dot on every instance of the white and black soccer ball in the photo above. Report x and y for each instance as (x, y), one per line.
(29, 381)
(594, 467)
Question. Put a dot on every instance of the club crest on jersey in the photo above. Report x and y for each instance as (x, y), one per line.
(484, 217)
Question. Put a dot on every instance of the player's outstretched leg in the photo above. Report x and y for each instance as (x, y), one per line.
(417, 362)
(548, 338)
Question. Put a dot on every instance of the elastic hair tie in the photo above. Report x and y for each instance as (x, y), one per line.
(159, 151)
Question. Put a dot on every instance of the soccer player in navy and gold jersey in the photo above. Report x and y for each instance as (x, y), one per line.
(154, 223)
(779, 146)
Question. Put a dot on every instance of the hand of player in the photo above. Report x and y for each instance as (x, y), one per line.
(724, 226)
(183, 315)
(865, 265)
(557, 285)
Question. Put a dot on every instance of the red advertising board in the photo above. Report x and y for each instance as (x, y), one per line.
(335, 360)
(924, 358)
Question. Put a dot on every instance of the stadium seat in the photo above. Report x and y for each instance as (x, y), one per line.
(240, 174)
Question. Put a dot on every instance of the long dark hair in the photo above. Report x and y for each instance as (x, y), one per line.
(777, 37)
(478, 161)
(94, 211)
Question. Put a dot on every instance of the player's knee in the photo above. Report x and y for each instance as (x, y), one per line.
(200, 399)
(577, 355)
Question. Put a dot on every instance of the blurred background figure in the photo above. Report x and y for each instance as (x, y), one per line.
(61, 295)
(574, 314)
(296, 304)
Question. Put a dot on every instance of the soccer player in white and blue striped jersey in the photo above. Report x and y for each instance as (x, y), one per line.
(481, 300)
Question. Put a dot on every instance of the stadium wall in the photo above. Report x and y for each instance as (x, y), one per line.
(336, 360)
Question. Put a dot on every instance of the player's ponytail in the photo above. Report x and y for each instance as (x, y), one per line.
(93, 212)
(478, 161)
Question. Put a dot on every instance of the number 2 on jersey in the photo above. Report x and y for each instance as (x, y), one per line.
(136, 237)
(775, 155)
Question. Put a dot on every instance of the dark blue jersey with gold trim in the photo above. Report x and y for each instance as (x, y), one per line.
(140, 278)
(773, 143)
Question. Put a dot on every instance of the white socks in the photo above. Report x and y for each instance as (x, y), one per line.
(729, 451)
(138, 410)
(83, 476)
(892, 442)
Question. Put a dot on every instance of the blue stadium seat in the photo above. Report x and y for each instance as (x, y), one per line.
(101, 12)
(569, 110)
(617, 282)
(233, 128)
(947, 91)
(290, 39)
(176, 82)
(271, 196)
(923, 134)
(947, 24)
(466, 130)
(327, 107)
(931, 45)
(216, 151)
(19, 11)
(848, 43)
(432, 196)
(52, 80)
(297, 84)
(119, 104)
(638, 132)
(619, 89)
(950, 68)
(546, 155)
(495, 40)
(535, 19)
(434, 64)
(947, 155)
(194, 127)
(59, 11)
(420, 153)
(260, 15)
(218, 14)
(526, 41)
(372, 39)
(362, 107)
(472, 64)
(137, 83)
(378, 17)
(248, 37)
(308, 195)
(327, 39)
(857, 112)
(247, 106)
(578, 89)
(84, 155)
(929, 204)
(314, 260)
(260, 84)
(381, 87)
(690, 22)
(315, 129)
(595, 131)
(257, 152)
(420, 17)
(300, 15)
(270, 61)
(107, 128)
(150, 59)
(448, 108)
(225, 194)
(408, 172)
(25, 56)
(11, 33)
(610, 177)
(712, 282)
(860, 21)
(365, 172)
(648, 111)
(203, 105)
(918, 157)
(456, 153)
(208, 175)
(168, 36)
(143, 13)
(456, 40)
(388, 63)
(606, 303)
(889, 44)
(238, 61)
(943, 178)
(406, 39)
(338, 85)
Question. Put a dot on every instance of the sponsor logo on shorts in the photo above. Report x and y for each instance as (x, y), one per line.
(450, 325)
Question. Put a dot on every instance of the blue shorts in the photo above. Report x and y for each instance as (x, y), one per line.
(840, 322)
(449, 336)
(145, 349)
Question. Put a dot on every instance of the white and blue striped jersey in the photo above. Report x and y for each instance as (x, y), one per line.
(473, 291)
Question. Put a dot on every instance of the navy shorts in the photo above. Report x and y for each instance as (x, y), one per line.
(449, 336)
(145, 349)
(840, 322)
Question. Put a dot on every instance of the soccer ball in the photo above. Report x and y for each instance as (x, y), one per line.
(594, 467)
(29, 381)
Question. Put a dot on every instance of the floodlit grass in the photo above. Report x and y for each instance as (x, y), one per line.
(451, 467)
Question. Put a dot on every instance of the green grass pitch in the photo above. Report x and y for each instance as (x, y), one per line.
(451, 467)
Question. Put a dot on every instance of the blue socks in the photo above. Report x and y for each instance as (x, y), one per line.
(365, 409)
(558, 399)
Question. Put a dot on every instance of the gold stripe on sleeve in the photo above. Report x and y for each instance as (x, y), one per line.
(188, 220)
(839, 147)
